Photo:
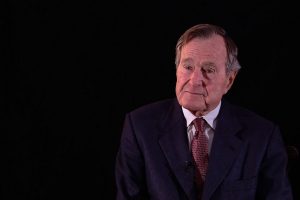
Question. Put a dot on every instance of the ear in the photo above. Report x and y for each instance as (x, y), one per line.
(230, 79)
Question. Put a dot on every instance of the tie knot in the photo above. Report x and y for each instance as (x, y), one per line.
(199, 124)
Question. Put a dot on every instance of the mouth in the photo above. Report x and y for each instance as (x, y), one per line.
(195, 93)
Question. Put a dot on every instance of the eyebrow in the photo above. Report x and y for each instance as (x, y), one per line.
(208, 64)
(205, 64)
(187, 60)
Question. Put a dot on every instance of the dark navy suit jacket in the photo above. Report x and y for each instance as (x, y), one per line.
(247, 160)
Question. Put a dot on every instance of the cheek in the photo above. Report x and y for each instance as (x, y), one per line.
(180, 82)
(178, 86)
(218, 88)
(181, 77)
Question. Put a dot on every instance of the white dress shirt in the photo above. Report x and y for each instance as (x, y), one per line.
(209, 128)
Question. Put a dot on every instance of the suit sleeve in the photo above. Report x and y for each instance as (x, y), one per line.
(129, 169)
(273, 181)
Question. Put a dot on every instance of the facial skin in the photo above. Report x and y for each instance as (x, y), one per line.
(201, 75)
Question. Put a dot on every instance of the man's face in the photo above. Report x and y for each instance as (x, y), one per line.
(201, 74)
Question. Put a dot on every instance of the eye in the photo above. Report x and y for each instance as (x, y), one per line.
(209, 70)
(188, 67)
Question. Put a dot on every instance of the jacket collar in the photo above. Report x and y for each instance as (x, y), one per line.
(225, 148)
(174, 144)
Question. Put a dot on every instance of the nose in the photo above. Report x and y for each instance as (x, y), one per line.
(197, 77)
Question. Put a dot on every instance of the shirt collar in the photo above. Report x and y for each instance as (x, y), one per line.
(209, 117)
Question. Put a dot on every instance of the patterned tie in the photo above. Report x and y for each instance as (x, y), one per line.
(200, 153)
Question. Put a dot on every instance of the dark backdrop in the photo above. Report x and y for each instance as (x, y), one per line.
(71, 70)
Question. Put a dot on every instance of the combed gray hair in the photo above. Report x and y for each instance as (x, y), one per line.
(207, 31)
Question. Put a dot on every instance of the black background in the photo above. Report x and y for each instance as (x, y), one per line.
(70, 71)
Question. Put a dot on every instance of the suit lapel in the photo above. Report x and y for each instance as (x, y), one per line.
(174, 144)
(224, 150)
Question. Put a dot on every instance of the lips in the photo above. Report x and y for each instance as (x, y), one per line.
(196, 93)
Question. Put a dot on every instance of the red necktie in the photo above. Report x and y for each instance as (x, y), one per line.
(200, 152)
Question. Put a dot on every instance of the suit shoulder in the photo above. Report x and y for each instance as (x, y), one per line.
(247, 116)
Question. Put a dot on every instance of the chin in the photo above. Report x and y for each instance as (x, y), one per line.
(193, 105)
